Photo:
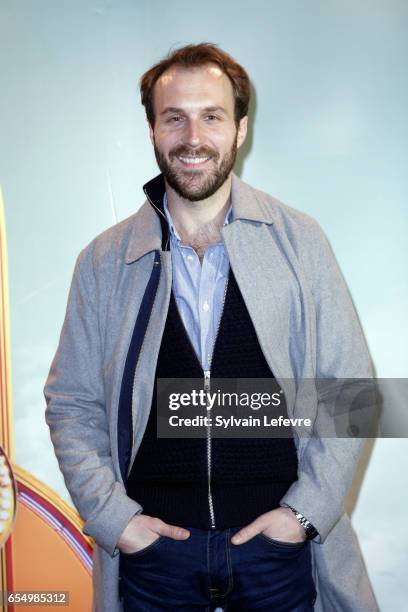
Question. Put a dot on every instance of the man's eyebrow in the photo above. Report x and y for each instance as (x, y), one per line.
(207, 109)
(171, 109)
(215, 109)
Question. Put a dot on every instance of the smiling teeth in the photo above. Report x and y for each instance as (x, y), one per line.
(193, 160)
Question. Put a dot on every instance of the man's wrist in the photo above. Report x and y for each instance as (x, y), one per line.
(310, 531)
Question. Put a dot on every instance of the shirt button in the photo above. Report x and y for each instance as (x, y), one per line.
(190, 258)
(206, 306)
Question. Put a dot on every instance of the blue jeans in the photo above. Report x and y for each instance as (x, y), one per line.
(207, 571)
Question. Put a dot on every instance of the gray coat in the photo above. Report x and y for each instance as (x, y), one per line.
(307, 328)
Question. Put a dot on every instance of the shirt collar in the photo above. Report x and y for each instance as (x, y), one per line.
(173, 230)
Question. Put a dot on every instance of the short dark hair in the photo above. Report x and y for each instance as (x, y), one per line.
(192, 56)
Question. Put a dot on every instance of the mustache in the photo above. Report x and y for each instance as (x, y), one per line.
(203, 151)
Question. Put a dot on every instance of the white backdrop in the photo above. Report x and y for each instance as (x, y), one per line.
(328, 137)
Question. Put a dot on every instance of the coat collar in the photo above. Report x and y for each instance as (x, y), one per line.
(151, 232)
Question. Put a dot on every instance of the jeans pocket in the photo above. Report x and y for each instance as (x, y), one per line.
(146, 549)
(282, 544)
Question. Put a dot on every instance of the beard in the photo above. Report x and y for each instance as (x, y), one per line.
(196, 185)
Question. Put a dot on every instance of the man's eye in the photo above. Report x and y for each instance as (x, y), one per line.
(211, 117)
(175, 119)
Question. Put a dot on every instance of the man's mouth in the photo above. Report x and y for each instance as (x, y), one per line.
(193, 160)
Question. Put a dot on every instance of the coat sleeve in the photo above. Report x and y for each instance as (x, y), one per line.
(77, 418)
(327, 464)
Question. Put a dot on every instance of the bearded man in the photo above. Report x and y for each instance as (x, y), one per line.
(210, 278)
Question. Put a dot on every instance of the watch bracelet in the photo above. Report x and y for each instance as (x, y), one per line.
(310, 530)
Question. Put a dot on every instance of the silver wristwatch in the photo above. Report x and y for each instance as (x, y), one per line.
(310, 531)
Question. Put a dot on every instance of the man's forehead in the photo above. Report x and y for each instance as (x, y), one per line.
(195, 87)
(177, 74)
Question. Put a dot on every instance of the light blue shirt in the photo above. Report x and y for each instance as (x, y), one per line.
(199, 288)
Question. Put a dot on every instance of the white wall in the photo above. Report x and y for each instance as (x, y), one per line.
(329, 137)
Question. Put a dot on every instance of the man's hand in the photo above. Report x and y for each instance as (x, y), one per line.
(142, 530)
(279, 524)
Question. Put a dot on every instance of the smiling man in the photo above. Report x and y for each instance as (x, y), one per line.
(196, 143)
(210, 278)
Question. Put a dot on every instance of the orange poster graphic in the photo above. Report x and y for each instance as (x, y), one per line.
(44, 557)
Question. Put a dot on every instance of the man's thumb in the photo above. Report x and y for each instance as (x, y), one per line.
(175, 532)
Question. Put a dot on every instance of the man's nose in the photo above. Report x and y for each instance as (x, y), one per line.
(193, 133)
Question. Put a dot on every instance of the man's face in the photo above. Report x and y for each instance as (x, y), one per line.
(195, 136)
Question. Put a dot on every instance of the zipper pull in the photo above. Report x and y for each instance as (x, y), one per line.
(207, 375)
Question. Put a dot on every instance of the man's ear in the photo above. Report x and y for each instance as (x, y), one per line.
(242, 130)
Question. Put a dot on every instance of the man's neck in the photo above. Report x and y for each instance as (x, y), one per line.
(199, 223)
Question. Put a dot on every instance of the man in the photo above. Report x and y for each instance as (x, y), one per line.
(209, 278)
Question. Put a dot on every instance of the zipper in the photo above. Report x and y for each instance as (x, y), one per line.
(207, 387)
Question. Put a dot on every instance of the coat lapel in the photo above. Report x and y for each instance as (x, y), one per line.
(267, 280)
